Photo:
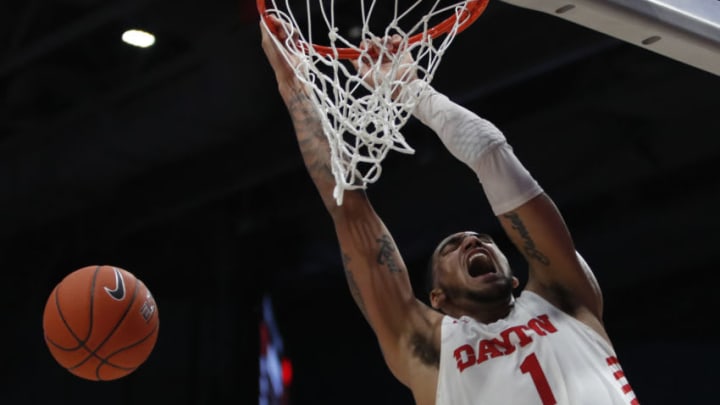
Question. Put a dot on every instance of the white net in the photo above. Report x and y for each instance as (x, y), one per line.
(363, 121)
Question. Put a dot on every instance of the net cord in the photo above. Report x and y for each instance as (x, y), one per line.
(363, 123)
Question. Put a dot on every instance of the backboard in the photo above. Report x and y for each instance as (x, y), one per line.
(684, 30)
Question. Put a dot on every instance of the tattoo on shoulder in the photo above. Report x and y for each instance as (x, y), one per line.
(529, 247)
(386, 254)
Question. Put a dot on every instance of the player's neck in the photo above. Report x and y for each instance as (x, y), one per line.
(483, 312)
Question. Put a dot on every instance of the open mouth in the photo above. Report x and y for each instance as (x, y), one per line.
(479, 263)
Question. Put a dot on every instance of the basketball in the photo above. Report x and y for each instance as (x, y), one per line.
(100, 323)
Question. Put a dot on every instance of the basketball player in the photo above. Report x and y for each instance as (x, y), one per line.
(478, 342)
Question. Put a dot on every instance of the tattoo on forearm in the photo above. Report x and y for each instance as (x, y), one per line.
(531, 251)
(354, 290)
(386, 254)
(311, 138)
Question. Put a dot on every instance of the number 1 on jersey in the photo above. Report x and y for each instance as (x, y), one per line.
(531, 365)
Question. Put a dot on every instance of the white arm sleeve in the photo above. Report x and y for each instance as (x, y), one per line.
(480, 145)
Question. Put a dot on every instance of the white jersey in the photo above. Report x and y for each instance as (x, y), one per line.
(537, 355)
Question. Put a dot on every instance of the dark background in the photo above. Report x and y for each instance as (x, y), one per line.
(178, 164)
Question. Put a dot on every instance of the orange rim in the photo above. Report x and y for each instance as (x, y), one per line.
(473, 10)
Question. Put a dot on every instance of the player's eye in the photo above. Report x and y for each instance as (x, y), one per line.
(451, 245)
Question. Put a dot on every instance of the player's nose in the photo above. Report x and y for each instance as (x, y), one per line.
(470, 240)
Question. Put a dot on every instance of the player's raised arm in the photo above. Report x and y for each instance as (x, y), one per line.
(375, 271)
(526, 212)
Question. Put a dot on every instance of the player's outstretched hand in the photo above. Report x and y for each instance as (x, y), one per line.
(282, 61)
(377, 62)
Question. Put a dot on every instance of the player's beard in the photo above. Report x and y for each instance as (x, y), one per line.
(499, 292)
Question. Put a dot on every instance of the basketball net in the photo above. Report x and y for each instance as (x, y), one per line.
(362, 123)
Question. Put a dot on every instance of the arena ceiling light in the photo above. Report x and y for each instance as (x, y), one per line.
(139, 38)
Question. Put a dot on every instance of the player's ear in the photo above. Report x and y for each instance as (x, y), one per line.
(515, 282)
(437, 297)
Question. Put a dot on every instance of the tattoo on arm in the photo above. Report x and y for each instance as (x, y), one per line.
(354, 290)
(311, 137)
(529, 247)
(385, 255)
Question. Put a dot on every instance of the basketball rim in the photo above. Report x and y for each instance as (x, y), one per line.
(473, 10)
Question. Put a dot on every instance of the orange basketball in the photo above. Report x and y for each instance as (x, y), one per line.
(100, 323)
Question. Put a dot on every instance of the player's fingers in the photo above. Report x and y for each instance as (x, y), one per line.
(366, 55)
(397, 42)
(280, 29)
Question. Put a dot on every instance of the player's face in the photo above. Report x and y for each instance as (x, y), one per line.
(470, 265)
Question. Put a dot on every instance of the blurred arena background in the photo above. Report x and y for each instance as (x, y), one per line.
(177, 162)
